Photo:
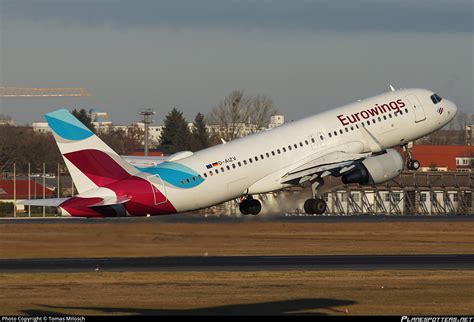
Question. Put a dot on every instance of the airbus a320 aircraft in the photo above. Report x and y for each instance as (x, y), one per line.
(354, 142)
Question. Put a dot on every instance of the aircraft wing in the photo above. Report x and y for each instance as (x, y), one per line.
(334, 163)
(49, 202)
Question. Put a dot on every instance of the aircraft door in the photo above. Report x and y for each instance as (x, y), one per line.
(417, 107)
(158, 188)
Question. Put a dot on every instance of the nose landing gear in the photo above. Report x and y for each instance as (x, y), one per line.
(250, 206)
(411, 164)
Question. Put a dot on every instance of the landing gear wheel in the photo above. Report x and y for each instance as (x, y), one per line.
(243, 208)
(413, 165)
(250, 206)
(315, 206)
(254, 207)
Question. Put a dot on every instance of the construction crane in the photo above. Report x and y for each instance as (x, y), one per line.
(7, 91)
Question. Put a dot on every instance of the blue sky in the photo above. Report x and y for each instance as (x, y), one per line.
(308, 56)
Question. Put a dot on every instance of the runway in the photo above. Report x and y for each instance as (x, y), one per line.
(242, 263)
(197, 219)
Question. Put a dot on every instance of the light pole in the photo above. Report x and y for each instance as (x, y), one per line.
(146, 120)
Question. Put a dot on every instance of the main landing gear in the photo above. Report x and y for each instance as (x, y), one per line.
(411, 164)
(250, 206)
(315, 206)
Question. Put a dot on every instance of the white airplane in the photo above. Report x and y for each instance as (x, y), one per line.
(354, 142)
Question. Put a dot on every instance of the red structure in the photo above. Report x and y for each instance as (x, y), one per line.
(36, 190)
(452, 157)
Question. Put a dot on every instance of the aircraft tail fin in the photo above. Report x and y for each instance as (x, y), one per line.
(90, 161)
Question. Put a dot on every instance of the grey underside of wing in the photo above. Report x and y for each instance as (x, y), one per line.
(334, 163)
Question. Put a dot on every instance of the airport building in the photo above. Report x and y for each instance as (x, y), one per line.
(23, 190)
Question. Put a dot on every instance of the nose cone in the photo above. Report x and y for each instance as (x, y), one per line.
(452, 109)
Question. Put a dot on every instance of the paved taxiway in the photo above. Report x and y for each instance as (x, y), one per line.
(241, 263)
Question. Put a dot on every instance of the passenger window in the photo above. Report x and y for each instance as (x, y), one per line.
(267, 154)
(222, 169)
(228, 167)
(205, 175)
(301, 143)
(211, 173)
(278, 150)
(284, 150)
(306, 141)
(289, 147)
(340, 131)
(390, 115)
(187, 180)
(216, 171)
(194, 178)
(406, 110)
(245, 162)
(330, 135)
(385, 117)
(296, 146)
(233, 165)
(312, 140)
(239, 164)
(182, 182)
(380, 119)
(401, 112)
(250, 160)
(347, 130)
(273, 152)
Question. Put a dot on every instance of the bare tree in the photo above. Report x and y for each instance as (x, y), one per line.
(238, 112)
(261, 110)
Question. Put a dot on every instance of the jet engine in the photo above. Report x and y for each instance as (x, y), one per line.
(376, 169)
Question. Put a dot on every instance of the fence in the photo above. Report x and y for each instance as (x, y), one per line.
(17, 186)
(412, 193)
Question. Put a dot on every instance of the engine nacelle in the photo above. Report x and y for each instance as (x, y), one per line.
(376, 169)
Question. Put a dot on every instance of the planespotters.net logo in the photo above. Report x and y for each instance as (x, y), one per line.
(372, 112)
(437, 319)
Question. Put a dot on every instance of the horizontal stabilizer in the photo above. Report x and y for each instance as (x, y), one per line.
(50, 202)
(110, 202)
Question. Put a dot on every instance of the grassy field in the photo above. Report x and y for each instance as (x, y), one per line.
(276, 292)
(239, 238)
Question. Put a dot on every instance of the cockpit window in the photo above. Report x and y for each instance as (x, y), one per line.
(435, 98)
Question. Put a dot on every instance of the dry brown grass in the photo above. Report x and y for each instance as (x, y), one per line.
(246, 238)
(277, 292)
